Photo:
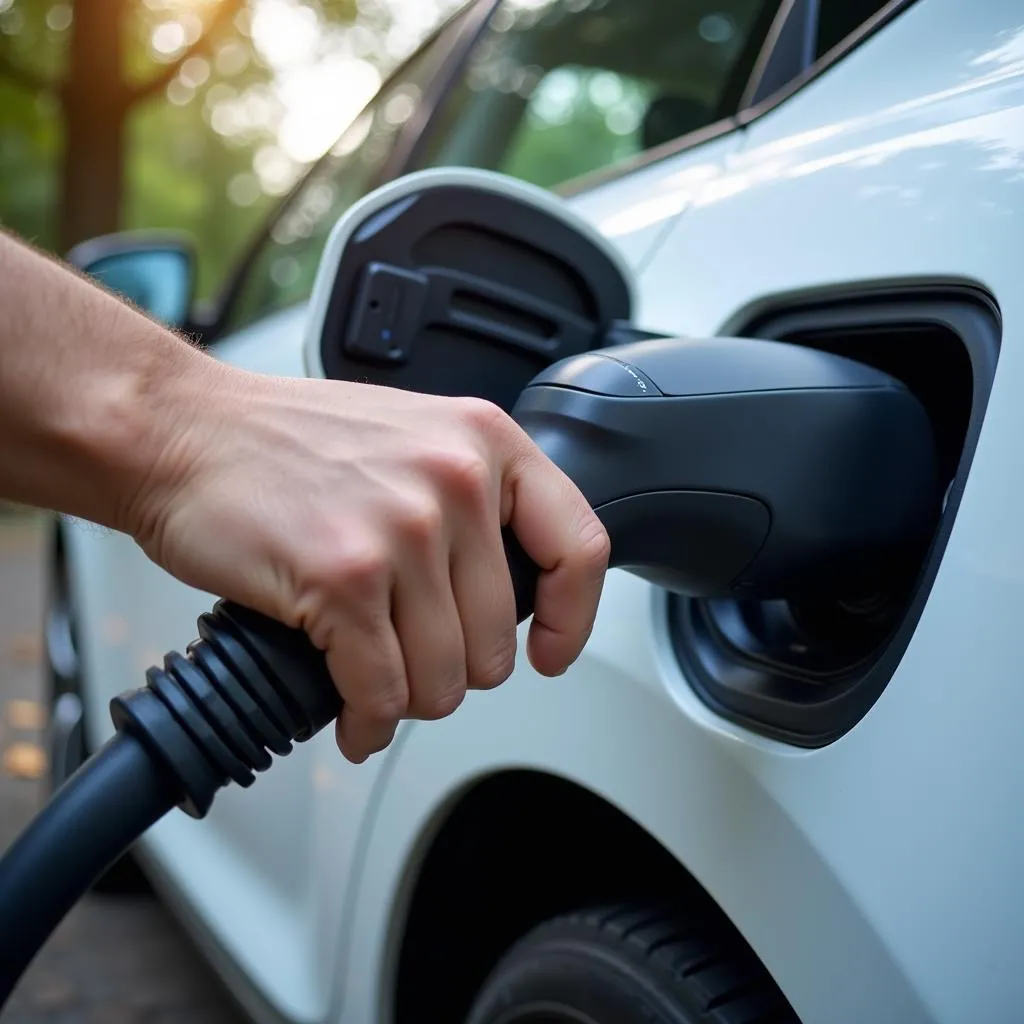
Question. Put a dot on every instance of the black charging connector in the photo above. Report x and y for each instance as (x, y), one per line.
(248, 688)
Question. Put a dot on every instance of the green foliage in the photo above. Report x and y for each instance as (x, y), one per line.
(30, 140)
(586, 131)
(178, 174)
(202, 152)
(562, 86)
(30, 132)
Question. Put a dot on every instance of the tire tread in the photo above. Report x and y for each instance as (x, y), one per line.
(693, 953)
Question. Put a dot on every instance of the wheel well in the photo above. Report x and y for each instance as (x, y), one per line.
(520, 848)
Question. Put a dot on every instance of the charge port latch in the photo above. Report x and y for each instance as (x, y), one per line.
(387, 314)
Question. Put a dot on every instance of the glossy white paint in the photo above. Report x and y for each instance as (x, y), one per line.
(876, 878)
(904, 162)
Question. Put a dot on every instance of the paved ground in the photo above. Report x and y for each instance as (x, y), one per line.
(114, 960)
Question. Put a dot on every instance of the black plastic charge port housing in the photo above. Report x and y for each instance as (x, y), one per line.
(805, 671)
(386, 313)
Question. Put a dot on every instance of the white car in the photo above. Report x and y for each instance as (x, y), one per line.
(728, 811)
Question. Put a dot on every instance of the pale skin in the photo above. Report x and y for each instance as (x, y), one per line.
(371, 518)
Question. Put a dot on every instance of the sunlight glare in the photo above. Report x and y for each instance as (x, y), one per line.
(195, 71)
(275, 171)
(320, 102)
(59, 17)
(169, 38)
(192, 24)
(284, 32)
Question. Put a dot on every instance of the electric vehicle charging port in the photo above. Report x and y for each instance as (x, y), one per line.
(806, 670)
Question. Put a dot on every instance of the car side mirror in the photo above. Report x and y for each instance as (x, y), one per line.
(156, 273)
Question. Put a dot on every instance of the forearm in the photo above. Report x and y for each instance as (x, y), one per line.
(90, 391)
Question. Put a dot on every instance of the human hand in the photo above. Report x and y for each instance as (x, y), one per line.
(371, 518)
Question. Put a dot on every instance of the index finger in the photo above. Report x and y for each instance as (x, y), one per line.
(561, 533)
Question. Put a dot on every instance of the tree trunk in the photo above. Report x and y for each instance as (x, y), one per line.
(96, 103)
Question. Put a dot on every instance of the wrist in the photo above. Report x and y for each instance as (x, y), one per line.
(94, 396)
(159, 430)
(127, 433)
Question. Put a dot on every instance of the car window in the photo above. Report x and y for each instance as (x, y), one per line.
(559, 88)
(283, 270)
(839, 18)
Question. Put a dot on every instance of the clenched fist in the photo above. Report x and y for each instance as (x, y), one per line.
(369, 517)
(372, 519)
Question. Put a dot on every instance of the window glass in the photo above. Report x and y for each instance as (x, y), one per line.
(558, 88)
(284, 269)
(839, 18)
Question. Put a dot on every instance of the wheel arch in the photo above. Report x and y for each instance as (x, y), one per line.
(633, 789)
(456, 912)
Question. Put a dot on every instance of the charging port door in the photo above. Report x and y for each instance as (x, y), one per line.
(462, 282)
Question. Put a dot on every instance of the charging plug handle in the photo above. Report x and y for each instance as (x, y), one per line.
(740, 467)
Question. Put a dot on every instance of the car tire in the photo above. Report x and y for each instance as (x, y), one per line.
(630, 964)
(67, 747)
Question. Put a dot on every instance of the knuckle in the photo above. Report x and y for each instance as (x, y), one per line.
(350, 566)
(495, 670)
(464, 473)
(595, 546)
(438, 686)
(483, 416)
(421, 520)
(385, 706)
(441, 704)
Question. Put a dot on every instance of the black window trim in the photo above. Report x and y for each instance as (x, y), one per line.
(746, 115)
(464, 24)
(839, 52)
(417, 133)
(788, 12)
(692, 140)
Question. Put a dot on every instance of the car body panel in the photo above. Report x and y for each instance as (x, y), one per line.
(912, 172)
(613, 727)
(269, 872)
(877, 878)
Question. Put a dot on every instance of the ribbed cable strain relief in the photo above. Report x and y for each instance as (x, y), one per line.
(249, 687)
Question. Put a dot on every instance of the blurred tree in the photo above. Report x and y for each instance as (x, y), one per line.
(180, 113)
(96, 93)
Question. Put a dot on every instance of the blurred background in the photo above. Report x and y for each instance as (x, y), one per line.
(201, 115)
(196, 115)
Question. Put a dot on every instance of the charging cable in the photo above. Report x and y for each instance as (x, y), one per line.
(247, 689)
